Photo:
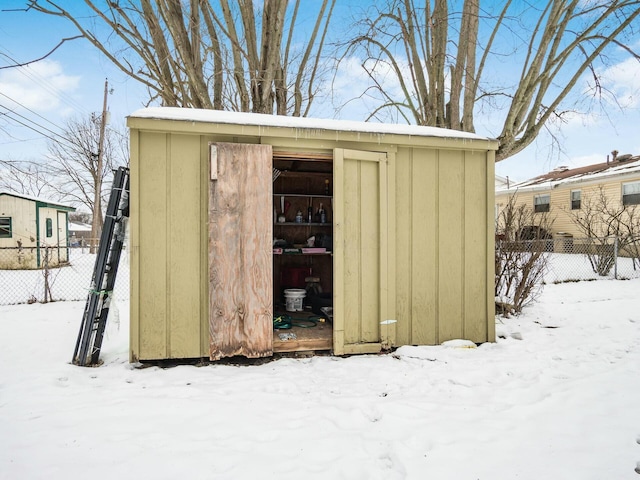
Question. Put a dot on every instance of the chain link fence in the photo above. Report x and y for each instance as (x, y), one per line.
(69, 281)
(570, 259)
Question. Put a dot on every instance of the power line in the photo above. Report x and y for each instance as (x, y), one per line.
(60, 137)
(28, 109)
(29, 120)
(43, 83)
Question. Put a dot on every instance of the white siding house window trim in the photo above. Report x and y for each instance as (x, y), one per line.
(5, 227)
(576, 199)
(631, 193)
(542, 203)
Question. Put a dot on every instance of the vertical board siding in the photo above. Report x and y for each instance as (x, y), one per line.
(475, 247)
(362, 193)
(134, 246)
(205, 336)
(183, 253)
(240, 256)
(441, 246)
(438, 277)
(370, 247)
(152, 253)
(352, 252)
(338, 252)
(490, 268)
(403, 241)
(424, 247)
(450, 244)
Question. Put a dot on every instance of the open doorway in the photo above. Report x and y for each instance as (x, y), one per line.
(302, 251)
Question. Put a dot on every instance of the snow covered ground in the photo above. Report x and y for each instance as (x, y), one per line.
(556, 397)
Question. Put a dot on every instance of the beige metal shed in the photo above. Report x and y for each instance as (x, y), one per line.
(404, 250)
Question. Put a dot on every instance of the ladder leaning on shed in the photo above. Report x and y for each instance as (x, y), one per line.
(96, 311)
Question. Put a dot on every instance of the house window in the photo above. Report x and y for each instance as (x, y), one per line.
(576, 197)
(5, 227)
(541, 203)
(49, 228)
(631, 193)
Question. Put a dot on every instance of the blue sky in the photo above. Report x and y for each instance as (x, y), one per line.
(70, 82)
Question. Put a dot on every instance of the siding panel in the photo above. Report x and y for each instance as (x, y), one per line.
(152, 287)
(353, 253)
(370, 248)
(404, 254)
(184, 247)
(475, 247)
(424, 247)
(450, 245)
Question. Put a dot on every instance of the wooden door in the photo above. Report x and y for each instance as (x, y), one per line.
(240, 251)
(360, 250)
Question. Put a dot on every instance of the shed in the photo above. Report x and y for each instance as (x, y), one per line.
(32, 231)
(404, 253)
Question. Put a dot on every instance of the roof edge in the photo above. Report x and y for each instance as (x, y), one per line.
(43, 202)
(281, 121)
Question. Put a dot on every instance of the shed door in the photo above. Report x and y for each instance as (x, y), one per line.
(63, 251)
(360, 250)
(240, 251)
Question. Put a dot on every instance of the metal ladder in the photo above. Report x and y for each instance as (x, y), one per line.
(96, 310)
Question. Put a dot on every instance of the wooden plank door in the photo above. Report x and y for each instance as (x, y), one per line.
(360, 250)
(240, 251)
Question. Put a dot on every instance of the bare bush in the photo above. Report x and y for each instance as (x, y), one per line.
(522, 241)
(611, 228)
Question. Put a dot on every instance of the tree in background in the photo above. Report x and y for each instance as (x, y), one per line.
(219, 55)
(521, 256)
(70, 173)
(27, 178)
(74, 170)
(611, 228)
(520, 64)
(452, 58)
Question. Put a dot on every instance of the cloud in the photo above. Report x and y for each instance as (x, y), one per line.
(40, 86)
(621, 80)
(354, 90)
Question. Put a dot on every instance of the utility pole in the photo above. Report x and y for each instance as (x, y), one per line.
(96, 224)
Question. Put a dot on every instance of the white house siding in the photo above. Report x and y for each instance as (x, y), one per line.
(560, 193)
(23, 232)
(29, 232)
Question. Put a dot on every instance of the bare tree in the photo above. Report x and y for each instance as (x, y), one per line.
(70, 173)
(440, 59)
(521, 256)
(222, 55)
(73, 169)
(27, 178)
(611, 228)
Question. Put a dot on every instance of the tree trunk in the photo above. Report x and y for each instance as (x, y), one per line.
(203, 54)
(563, 40)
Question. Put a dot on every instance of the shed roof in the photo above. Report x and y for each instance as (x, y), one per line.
(79, 227)
(263, 120)
(43, 201)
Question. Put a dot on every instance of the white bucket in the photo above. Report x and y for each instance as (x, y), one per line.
(293, 298)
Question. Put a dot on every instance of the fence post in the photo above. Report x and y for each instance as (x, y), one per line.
(615, 257)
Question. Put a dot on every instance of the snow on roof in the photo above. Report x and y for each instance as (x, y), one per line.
(35, 199)
(263, 120)
(79, 227)
(595, 172)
